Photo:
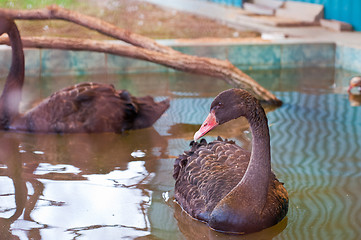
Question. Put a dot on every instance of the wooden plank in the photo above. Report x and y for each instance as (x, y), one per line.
(336, 25)
(258, 9)
(302, 11)
(274, 4)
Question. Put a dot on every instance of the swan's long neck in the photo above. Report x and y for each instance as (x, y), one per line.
(249, 196)
(11, 95)
(255, 181)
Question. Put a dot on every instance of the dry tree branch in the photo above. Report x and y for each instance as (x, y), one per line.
(144, 48)
(56, 12)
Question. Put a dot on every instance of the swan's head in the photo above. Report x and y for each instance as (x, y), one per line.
(4, 25)
(354, 82)
(228, 105)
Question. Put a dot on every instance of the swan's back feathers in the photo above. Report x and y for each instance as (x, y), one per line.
(91, 107)
(206, 173)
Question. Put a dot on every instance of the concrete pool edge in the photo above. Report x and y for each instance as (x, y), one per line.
(245, 55)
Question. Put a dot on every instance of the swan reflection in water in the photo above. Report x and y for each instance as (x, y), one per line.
(354, 99)
(11, 157)
(69, 182)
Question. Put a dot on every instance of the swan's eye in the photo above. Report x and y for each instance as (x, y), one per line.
(217, 105)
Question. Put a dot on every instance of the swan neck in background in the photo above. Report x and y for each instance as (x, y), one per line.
(15, 77)
(11, 95)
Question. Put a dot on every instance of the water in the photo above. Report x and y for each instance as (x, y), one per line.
(109, 186)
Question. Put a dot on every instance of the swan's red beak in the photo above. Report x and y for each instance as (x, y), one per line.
(350, 87)
(207, 126)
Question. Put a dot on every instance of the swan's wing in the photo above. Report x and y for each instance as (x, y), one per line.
(206, 174)
(87, 107)
(92, 107)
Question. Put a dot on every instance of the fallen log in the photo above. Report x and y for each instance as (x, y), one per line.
(144, 48)
(199, 65)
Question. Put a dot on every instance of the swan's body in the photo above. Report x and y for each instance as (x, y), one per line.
(229, 188)
(86, 107)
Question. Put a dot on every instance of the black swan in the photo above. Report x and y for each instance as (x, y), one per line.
(355, 82)
(229, 188)
(85, 107)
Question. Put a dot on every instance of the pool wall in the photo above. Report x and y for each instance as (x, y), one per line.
(246, 56)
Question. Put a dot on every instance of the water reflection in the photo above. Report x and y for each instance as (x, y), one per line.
(22, 177)
(354, 99)
(9, 155)
(73, 184)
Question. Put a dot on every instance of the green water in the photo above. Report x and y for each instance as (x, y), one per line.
(109, 186)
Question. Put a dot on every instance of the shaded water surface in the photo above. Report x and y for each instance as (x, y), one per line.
(109, 186)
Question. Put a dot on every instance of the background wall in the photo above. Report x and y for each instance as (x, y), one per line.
(343, 10)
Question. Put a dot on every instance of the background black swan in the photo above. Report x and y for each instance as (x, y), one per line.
(355, 82)
(229, 188)
(86, 107)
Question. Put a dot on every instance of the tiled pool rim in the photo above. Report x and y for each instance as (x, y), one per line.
(50, 62)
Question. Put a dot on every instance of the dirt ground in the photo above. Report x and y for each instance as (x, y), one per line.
(137, 16)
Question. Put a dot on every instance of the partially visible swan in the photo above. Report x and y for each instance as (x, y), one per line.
(355, 82)
(229, 188)
(85, 107)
